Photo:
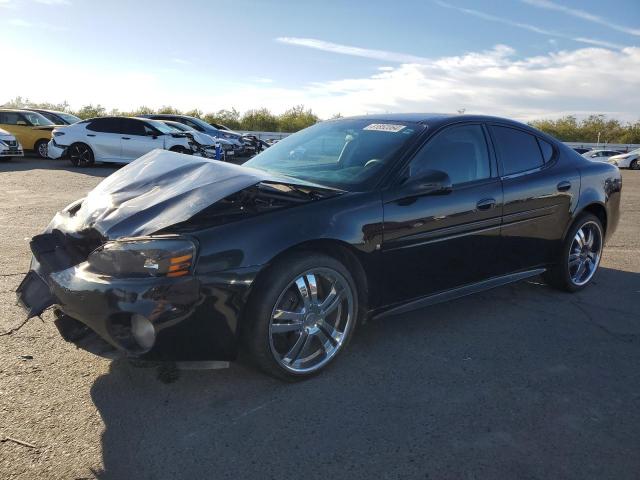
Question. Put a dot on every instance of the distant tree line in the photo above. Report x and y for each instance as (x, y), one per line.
(592, 129)
(261, 119)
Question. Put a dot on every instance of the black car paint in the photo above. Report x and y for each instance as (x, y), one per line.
(405, 251)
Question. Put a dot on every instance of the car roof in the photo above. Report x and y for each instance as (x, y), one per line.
(48, 111)
(21, 110)
(434, 119)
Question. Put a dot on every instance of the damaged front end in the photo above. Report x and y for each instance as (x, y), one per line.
(121, 265)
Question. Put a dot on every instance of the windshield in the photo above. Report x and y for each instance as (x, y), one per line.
(36, 119)
(67, 117)
(637, 150)
(181, 127)
(345, 154)
(161, 126)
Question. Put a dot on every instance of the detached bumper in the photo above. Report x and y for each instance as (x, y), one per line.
(55, 151)
(184, 319)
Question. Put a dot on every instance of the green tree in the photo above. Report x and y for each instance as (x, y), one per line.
(296, 118)
(90, 111)
(194, 113)
(259, 120)
(229, 118)
(170, 110)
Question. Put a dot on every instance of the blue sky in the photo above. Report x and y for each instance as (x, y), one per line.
(522, 58)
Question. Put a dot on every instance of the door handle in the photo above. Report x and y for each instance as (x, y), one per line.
(486, 204)
(564, 186)
(126, 138)
(91, 135)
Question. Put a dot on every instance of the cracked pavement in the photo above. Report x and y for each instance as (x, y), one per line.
(518, 382)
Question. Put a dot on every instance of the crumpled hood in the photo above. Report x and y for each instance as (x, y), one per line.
(156, 191)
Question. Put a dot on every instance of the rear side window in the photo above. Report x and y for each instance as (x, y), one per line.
(105, 125)
(10, 118)
(547, 150)
(518, 151)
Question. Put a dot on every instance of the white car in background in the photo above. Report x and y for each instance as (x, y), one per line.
(627, 160)
(9, 146)
(114, 140)
(600, 155)
(205, 144)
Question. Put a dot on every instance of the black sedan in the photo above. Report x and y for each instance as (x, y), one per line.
(176, 257)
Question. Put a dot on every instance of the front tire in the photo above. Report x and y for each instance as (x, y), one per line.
(81, 155)
(634, 165)
(301, 315)
(580, 256)
(41, 148)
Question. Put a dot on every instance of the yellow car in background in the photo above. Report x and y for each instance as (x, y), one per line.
(32, 130)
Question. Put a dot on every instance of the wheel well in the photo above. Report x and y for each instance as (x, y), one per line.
(341, 251)
(599, 211)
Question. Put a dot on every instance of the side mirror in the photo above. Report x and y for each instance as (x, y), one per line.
(428, 182)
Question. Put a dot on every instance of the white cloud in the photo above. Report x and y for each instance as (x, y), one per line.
(181, 61)
(582, 15)
(350, 50)
(496, 81)
(527, 26)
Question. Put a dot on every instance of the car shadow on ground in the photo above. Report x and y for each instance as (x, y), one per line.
(22, 164)
(520, 381)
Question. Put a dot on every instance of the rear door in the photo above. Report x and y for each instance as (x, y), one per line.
(434, 243)
(537, 197)
(103, 136)
(138, 138)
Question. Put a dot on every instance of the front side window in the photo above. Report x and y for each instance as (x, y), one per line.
(349, 154)
(133, 127)
(518, 150)
(36, 119)
(461, 152)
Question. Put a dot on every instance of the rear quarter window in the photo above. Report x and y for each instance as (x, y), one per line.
(517, 150)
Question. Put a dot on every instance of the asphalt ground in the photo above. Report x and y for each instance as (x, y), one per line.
(518, 382)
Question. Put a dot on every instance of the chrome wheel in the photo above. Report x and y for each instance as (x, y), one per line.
(80, 155)
(311, 319)
(585, 252)
(43, 149)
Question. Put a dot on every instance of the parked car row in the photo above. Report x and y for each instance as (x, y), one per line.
(56, 135)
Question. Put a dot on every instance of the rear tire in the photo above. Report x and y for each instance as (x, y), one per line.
(41, 149)
(81, 155)
(579, 259)
(301, 315)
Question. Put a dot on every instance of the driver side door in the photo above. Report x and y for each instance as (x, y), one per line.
(138, 139)
(436, 242)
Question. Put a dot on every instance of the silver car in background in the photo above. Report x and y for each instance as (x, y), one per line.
(600, 155)
(9, 146)
(627, 160)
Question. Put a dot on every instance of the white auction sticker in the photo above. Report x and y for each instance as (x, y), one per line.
(384, 127)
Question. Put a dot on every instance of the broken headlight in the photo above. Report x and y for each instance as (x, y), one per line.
(169, 256)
